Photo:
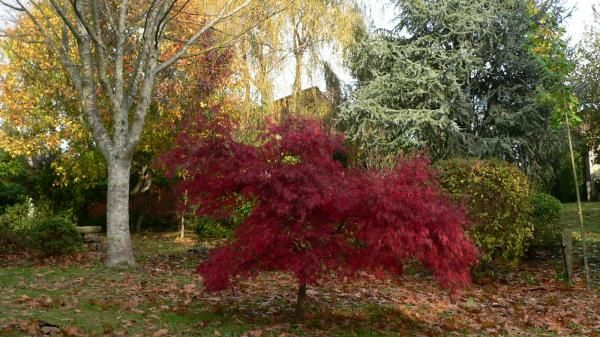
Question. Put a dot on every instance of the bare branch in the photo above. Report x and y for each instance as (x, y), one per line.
(141, 110)
(232, 37)
(67, 62)
(101, 58)
(220, 17)
(14, 8)
(119, 51)
(84, 79)
(63, 54)
(179, 11)
(96, 36)
(146, 20)
(109, 16)
(65, 19)
(159, 25)
(89, 99)
(141, 69)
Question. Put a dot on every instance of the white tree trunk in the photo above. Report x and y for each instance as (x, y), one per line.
(120, 250)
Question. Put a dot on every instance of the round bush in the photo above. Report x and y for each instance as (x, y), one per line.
(546, 220)
(54, 236)
(14, 222)
(497, 200)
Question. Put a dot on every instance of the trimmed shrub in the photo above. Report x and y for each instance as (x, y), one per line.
(55, 235)
(497, 200)
(546, 220)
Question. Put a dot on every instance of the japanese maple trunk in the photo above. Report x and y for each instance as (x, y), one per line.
(300, 300)
(120, 250)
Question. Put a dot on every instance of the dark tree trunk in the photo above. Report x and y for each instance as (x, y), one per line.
(300, 302)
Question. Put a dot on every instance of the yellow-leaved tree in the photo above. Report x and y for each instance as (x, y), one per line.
(113, 57)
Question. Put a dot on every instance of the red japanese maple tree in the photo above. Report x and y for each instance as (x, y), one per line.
(313, 216)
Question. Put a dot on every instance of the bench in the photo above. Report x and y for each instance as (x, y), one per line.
(91, 237)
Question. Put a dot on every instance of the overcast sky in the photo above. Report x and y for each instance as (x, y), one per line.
(381, 14)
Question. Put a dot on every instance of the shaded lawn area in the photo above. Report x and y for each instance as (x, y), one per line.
(591, 220)
(591, 216)
(164, 298)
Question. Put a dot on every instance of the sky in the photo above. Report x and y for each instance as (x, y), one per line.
(581, 16)
(381, 14)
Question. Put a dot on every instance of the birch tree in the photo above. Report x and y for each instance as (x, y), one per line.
(113, 52)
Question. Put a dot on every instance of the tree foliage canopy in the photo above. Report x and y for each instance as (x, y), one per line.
(586, 83)
(457, 78)
(42, 116)
(313, 216)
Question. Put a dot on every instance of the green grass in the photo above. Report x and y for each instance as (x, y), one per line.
(591, 216)
(98, 300)
(591, 221)
(163, 293)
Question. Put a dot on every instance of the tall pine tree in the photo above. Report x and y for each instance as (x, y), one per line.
(456, 78)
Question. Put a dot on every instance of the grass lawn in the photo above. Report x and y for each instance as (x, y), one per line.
(591, 220)
(591, 216)
(163, 297)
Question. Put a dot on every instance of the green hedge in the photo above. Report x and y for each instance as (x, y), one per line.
(497, 200)
(546, 220)
(14, 222)
(35, 228)
(54, 236)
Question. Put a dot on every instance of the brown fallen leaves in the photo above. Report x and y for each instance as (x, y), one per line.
(518, 306)
(528, 302)
(161, 333)
(37, 302)
(25, 258)
(40, 328)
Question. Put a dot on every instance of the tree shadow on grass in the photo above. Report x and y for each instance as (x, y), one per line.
(361, 318)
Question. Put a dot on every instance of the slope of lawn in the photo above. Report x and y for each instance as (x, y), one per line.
(163, 297)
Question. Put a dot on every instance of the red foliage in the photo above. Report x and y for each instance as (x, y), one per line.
(312, 215)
